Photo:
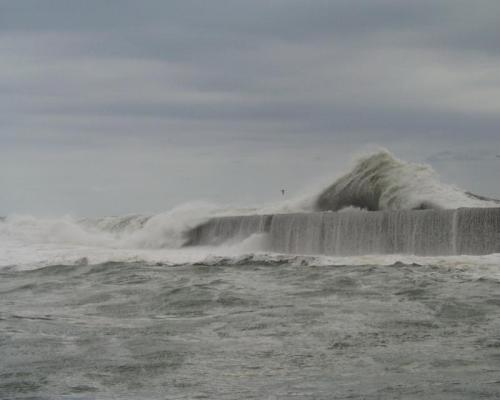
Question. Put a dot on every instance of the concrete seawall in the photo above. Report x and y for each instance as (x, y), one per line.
(472, 231)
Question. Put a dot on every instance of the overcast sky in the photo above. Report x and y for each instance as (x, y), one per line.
(111, 107)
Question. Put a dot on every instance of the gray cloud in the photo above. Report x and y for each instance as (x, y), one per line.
(240, 83)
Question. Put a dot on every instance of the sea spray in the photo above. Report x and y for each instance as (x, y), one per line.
(382, 182)
(376, 182)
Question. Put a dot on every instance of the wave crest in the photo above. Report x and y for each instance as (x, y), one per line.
(382, 182)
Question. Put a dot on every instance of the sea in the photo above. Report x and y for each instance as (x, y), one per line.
(130, 307)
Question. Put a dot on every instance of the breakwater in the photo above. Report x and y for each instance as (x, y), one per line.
(472, 231)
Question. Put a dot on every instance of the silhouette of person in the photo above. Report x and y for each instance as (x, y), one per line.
(282, 192)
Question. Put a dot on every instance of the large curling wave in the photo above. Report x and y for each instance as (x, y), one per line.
(382, 182)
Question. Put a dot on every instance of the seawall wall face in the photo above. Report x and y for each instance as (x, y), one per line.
(421, 232)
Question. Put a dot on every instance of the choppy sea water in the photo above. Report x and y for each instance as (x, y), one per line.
(250, 330)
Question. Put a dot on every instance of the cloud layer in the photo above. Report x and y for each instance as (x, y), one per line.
(121, 106)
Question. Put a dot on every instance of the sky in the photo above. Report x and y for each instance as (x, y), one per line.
(117, 106)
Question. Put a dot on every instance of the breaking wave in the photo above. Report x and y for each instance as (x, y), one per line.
(164, 230)
(382, 182)
(376, 182)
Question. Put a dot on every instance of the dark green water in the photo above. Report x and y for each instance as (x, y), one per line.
(249, 331)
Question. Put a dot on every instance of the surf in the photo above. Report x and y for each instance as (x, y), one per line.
(382, 205)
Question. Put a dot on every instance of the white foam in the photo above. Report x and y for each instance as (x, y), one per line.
(30, 242)
(23, 256)
(380, 181)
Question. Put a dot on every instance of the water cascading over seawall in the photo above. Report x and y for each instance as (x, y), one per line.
(472, 231)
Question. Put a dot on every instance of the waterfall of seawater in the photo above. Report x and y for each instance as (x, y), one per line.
(421, 232)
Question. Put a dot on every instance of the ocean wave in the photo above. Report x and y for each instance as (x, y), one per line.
(376, 182)
(226, 256)
(380, 181)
